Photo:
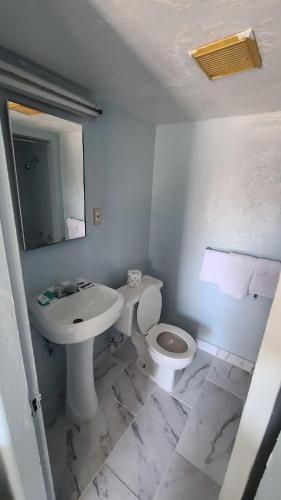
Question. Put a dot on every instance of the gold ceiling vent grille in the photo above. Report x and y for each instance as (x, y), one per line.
(228, 56)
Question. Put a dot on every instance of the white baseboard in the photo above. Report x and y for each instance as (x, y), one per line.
(235, 360)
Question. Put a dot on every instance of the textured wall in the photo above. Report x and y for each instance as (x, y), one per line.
(216, 183)
(119, 153)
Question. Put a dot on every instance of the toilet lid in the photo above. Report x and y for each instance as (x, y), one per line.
(149, 308)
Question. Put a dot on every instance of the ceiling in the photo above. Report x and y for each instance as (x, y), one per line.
(133, 53)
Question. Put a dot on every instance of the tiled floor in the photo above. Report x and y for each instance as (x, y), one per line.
(146, 444)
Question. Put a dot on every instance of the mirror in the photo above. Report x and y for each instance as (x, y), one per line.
(49, 173)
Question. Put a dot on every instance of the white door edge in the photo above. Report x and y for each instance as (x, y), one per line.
(264, 389)
(38, 482)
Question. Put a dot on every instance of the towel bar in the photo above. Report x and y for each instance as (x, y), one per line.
(241, 253)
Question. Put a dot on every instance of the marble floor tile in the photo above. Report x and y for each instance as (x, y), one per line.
(190, 385)
(107, 485)
(106, 374)
(230, 377)
(133, 388)
(53, 406)
(246, 365)
(77, 452)
(127, 352)
(102, 358)
(209, 434)
(183, 481)
(142, 454)
(57, 441)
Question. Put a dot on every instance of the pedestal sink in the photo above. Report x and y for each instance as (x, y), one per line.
(75, 321)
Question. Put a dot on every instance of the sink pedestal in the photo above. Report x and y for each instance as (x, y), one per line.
(81, 397)
(74, 321)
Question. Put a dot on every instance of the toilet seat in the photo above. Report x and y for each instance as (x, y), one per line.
(148, 315)
(149, 309)
(177, 360)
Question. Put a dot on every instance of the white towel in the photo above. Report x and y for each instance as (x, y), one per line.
(265, 278)
(237, 275)
(213, 266)
(75, 228)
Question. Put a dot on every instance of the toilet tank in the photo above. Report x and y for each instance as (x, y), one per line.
(131, 298)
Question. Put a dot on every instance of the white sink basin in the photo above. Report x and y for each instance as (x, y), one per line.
(98, 307)
(75, 320)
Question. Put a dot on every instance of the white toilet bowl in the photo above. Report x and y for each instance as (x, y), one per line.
(163, 350)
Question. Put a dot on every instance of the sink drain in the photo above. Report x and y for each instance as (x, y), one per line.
(78, 320)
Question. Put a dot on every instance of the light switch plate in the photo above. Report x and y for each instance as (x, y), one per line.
(97, 215)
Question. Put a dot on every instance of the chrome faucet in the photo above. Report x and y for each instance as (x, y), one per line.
(62, 290)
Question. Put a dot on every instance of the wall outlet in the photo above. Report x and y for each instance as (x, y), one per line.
(97, 215)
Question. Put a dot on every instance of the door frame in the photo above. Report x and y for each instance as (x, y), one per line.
(259, 407)
(32, 443)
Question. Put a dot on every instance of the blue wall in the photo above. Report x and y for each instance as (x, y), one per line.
(216, 183)
(119, 156)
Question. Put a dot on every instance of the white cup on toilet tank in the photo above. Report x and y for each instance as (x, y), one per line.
(134, 277)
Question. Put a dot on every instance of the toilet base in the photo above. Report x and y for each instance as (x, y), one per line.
(165, 377)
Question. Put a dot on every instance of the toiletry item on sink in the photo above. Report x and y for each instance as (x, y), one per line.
(46, 297)
(134, 277)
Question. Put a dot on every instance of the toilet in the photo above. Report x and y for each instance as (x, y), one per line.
(163, 350)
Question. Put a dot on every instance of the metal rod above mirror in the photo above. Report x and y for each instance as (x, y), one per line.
(49, 176)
